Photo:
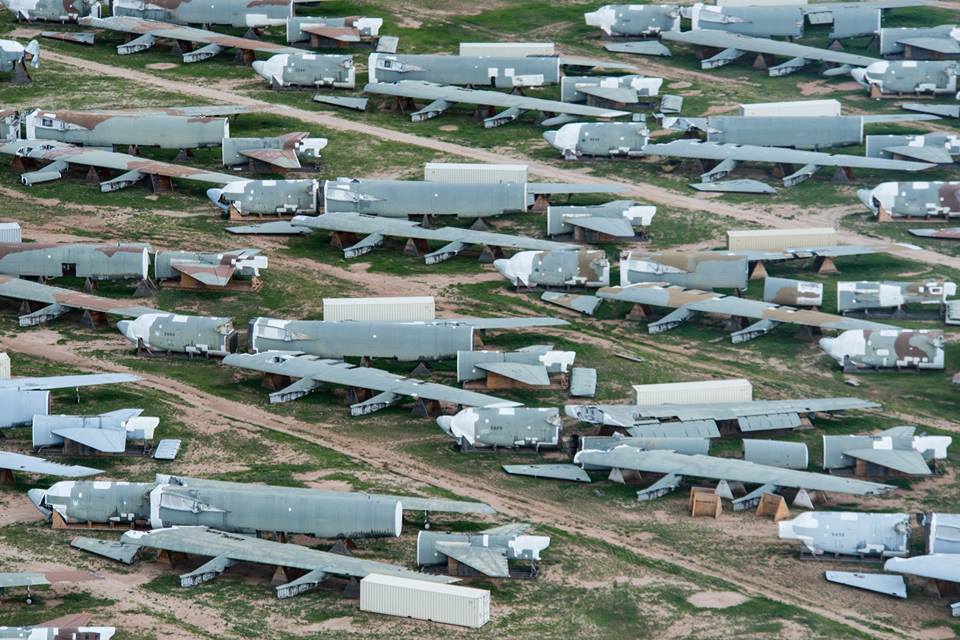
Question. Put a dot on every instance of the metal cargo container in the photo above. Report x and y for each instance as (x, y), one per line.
(794, 108)
(780, 239)
(507, 49)
(10, 232)
(19, 406)
(422, 600)
(776, 453)
(386, 309)
(466, 173)
(703, 392)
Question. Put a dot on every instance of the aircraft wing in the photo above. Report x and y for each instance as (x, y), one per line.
(436, 505)
(281, 158)
(67, 382)
(104, 440)
(19, 289)
(430, 91)
(22, 579)
(909, 462)
(754, 153)
(338, 372)
(53, 151)
(532, 374)
(935, 566)
(507, 323)
(723, 40)
(227, 549)
(489, 562)
(934, 155)
(340, 34)
(730, 469)
(691, 300)
(620, 95)
(157, 29)
(837, 251)
(209, 274)
(374, 225)
(30, 464)
(942, 46)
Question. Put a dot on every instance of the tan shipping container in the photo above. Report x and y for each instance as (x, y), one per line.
(386, 309)
(702, 392)
(423, 600)
(780, 239)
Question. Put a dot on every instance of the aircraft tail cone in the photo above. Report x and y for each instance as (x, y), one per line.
(37, 497)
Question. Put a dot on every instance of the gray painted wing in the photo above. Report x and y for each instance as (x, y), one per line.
(67, 382)
(429, 91)
(567, 188)
(730, 469)
(745, 185)
(933, 155)
(753, 153)
(338, 372)
(113, 549)
(356, 223)
(622, 95)
(552, 471)
(721, 40)
(436, 505)
(734, 410)
(877, 582)
(943, 46)
(490, 562)
(507, 323)
(909, 462)
(532, 374)
(512, 529)
(54, 151)
(279, 227)
(127, 24)
(210, 543)
(19, 289)
(30, 464)
(104, 440)
(22, 579)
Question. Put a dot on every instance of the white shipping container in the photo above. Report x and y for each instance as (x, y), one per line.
(19, 406)
(779, 239)
(386, 309)
(466, 173)
(422, 600)
(703, 392)
(10, 232)
(507, 49)
(793, 108)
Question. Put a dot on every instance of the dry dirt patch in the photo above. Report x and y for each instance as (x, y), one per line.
(717, 599)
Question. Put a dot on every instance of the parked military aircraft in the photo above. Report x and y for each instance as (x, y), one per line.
(912, 199)
(236, 507)
(232, 13)
(713, 420)
(898, 449)
(227, 549)
(856, 296)
(310, 372)
(104, 433)
(106, 261)
(908, 76)
(404, 341)
(700, 269)
(479, 71)
(673, 467)
(160, 332)
(583, 268)
(13, 58)
(483, 428)
(443, 97)
(51, 10)
(885, 348)
(346, 228)
(687, 302)
(579, 139)
(488, 551)
(10, 462)
(849, 533)
(305, 69)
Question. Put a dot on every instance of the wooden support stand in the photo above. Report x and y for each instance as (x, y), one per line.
(759, 272)
(704, 502)
(773, 506)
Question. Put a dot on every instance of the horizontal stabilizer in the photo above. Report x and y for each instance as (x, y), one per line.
(935, 155)
(580, 303)
(534, 375)
(103, 440)
(280, 228)
(76, 37)
(489, 562)
(884, 583)
(619, 95)
(357, 104)
(615, 227)
(212, 276)
(641, 48)
(941, 46)
(552, 471)
(942, 110)
(734, 186)
(909, 462)
(113, 549)
(280, 158)
(442, 506)
(30, 464)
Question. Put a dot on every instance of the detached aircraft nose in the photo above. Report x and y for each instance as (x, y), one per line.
(446, 423)
(127, 330)
(503, 268)
(37, 497)
(827, 344)
(215, 195)
(866, 197)
(551, 138)
(260, 68)
(860, 75)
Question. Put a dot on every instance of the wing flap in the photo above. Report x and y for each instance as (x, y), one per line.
(30, 464)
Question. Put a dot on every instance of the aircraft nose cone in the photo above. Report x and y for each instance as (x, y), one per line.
(214, 195)
(551, 138)
(125, 328)
(37, 496)
(866, 197)
(446, 423)
(503, 268)
(260, 68)
(860, 75)
(827, 344)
